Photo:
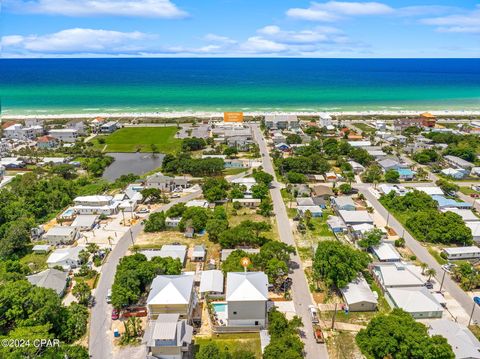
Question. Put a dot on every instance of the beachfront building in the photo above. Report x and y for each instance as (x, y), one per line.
(171, 294)
(358, 296)
(166, 183)
(109, 127)
(61, 235)
(168, 337)
(64, 134)
(281, 122)
(247, 296)
(19, 132)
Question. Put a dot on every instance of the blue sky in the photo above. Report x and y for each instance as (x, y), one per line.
(240, 28)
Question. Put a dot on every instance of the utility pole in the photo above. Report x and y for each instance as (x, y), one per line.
(334, 315)
(443, 278)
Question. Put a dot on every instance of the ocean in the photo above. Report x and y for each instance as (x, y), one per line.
(66, 86)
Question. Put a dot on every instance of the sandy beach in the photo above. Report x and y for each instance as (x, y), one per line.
(207, 114)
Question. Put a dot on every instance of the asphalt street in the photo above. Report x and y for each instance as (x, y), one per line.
(301, 293)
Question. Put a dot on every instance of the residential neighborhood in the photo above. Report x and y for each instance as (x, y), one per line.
(321, 225)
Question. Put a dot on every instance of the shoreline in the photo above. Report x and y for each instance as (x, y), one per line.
(209, 114)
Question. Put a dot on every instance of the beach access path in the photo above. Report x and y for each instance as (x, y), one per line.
(300, 290)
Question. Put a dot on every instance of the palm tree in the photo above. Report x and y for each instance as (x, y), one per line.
(423, 266)
(431, 273)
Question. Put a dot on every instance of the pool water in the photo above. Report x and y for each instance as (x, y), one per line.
(220, 307)
(68, 213)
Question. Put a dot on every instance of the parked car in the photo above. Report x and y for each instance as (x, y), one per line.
(175, 195)
(143, 210)
(317, 332)
(115, 314)
(109, 296)
(429, 285)
(313, 313)
(474, 195)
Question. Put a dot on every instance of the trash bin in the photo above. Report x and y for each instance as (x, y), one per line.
(116, 333)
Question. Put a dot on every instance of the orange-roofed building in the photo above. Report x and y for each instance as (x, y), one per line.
(8, 124)
(428, 120)
(47, 142)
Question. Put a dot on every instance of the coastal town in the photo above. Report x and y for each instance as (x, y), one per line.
(241, 236)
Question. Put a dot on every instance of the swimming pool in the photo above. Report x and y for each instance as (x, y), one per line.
(68, 213)
(219, 307)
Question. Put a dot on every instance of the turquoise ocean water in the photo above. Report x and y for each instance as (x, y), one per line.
(58, 86)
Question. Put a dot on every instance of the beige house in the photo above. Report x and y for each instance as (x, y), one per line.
(171, 294)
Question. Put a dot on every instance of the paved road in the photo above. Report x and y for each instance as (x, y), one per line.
(301, 293)
(423, 255)
(100, 339)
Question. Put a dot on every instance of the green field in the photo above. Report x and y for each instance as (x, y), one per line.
(140, 139)
(233, 342)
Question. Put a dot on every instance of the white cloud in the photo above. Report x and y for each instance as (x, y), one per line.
(133, 8)
(218, 38)
(315, 35)
(77, 40)
(468, 22)
(334, 10)
(258, 44)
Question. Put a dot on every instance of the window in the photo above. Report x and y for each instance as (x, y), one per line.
(234, 313)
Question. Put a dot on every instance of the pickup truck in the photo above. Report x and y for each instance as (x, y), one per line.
(317, 332)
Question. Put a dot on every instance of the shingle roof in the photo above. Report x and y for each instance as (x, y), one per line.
(51, 279)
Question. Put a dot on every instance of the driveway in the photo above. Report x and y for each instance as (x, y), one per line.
(301, 293)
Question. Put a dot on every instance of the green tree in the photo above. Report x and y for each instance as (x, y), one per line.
(262, 177)
(82, 292)
(76, 322)
(295, 177)
(230, 152)
(151, 195)
(372, 174)
(155, 222)
(338, 264)
(345, 188)
(398, 335)
(447, 186)
(259, 190)
(392, 176)
(266, 207)
(293, 139)
(371, 238)
(215, 227)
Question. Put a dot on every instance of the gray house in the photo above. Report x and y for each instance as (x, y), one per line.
(50, 278)
(166, 183)
(358, 296)
(247, 295)
(344, 203)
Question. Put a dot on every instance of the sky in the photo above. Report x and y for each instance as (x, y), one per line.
(240, 28)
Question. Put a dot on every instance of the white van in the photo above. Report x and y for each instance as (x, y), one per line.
(109, 296)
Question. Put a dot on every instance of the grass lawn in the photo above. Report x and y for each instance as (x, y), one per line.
(437, 256)
(134, 139)
(468, 191)
(233, 171)
(245, 214)
(364, 127)
(36, 262)
(234, 342)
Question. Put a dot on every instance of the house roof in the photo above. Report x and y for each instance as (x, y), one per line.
(464, 344)
(60, 231)
(168, 331)
(51, 279)
(462, 250)
(171, 289)
(247, 286)
(63, 254)
(175, 251)
(85, 220)
(93, 199)
(342, 201)
(430, 190)
(305, 201)
(350, 217)
(41, 247)
(386, 252)
(448, 202)
(387, 162)
(312, 209)
(320, 190)
(399, 274)
(474, 227)
(211, 281)
(358, 291)
(414, 299)
(335, 222)
(198, 251)
(363, 227)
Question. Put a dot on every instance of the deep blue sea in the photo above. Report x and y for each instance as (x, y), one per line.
(41, 86)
